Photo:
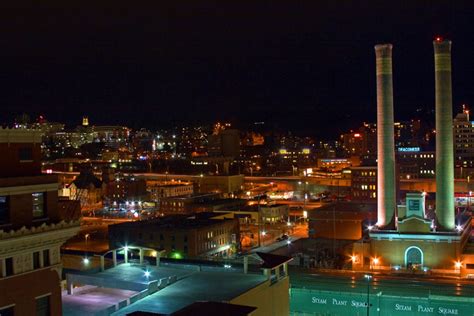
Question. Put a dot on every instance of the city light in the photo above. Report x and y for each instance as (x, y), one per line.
(459, 228)
(353, 258)
(375, 261)
(368, 276)
(458, 265)
(305, 214)
(264, 233)
(370, 227)
(227, 266)
(147, 274)
(86, 261)
(288, 242)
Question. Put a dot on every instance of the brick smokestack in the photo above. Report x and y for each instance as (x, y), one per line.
(386, 189)
(444, 135)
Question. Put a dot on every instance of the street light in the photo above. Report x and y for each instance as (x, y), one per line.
(368, 277)
(86, 237)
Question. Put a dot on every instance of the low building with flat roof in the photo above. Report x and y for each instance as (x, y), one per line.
(170, 287)
(189, 236)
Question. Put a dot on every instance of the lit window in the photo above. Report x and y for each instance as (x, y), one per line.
(38, 204)
(4, 212)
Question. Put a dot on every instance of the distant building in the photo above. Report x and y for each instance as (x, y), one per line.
(224, 143)
(364, 183)
(342, 220)
(123, 189)
(87, 188)
(33, 226)
(169, 189)
(184, 204)
(189, 236)
(415, 164)
(226, 184)
(274, 213)
(463, 140)
(361, 142)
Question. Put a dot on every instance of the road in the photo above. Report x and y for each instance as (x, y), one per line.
(388, 284)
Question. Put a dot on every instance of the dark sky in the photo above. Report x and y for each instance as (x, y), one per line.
(307, 66)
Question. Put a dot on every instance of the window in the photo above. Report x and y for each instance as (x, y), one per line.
(36, 260)
(38, 204)
(9, 266)
(46, 261)
(4, 212)
(43, 307)
(25, 154)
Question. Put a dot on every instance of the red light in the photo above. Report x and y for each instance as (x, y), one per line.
(356, 135)
(439, 38)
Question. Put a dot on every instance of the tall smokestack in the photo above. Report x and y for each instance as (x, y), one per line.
(385, 137)
(444, 135)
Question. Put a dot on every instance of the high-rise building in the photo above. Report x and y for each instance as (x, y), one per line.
(463, 140)
(33, 226)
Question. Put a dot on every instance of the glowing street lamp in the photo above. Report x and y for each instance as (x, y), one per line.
(86, 261)
(458, 265)
(368, 277)
(459, 228)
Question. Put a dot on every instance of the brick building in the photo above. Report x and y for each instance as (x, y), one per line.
(190, 236)
(33, 226)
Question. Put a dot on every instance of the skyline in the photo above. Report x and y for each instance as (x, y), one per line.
(162, 66)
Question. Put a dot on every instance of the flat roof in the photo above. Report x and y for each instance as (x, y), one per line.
(175, 222)
(199, 286)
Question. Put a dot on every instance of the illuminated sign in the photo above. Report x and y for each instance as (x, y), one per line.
(409, 149)
(306, 151)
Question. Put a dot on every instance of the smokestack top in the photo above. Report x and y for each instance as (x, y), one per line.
(383, 57)
(385, 50)
(442, 54)
(442, 46)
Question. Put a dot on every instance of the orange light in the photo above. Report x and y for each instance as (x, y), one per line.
(353, 258)
(356, 135)
(458, 264)
(375, 261)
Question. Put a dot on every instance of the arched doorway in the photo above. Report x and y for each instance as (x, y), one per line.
(413, 257)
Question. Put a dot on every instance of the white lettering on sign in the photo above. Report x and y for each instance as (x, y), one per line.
(425, 309)
(338, 302)
(317, 300)
(357, 304)
(447, 311)
(401, 307)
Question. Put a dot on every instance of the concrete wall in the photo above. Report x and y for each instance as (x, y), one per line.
(270, 299)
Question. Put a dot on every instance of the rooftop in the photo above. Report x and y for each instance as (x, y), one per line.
(199, 286)
(176, 222)
(177, 285)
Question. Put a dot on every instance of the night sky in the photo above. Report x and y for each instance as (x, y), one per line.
(301, 66)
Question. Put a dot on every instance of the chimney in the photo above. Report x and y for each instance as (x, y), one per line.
(444, 135)
(386, 189)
